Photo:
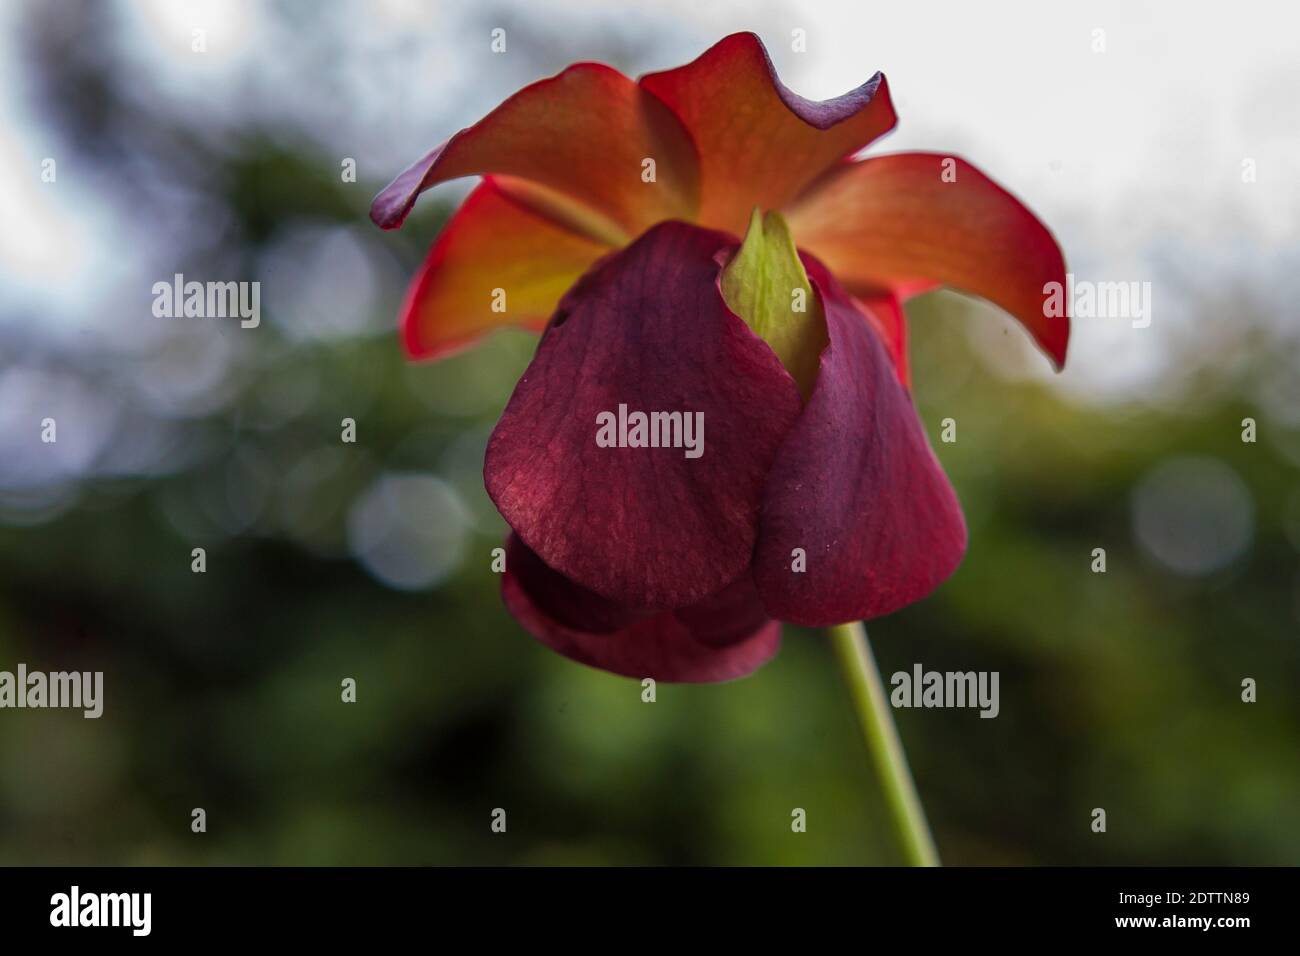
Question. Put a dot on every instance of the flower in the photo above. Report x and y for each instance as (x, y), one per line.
(610, 215)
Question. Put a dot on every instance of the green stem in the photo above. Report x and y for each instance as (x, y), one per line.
(869, 700)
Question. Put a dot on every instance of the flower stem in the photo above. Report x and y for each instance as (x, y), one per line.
(868, 693)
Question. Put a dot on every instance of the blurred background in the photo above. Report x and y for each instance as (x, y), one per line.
(371, 560)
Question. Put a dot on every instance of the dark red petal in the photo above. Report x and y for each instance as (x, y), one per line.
(566, 604)
(649, 527)
(580, 137)
(759, 143)
(726, 637)
(723, 619)
(885, 312)
(857, 487)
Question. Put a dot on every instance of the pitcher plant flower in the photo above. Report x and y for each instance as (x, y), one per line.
(716, 433)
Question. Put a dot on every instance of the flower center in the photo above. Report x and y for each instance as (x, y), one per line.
(765, 284)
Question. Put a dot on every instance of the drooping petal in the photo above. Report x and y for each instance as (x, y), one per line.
(759, 143)
(856, 487)
(491, 243)
(645, 332)
(725, 637)
(564, 603)
(897, 222)
(582, 136)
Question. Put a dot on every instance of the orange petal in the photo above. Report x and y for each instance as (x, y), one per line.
(584, 135)
(493, 242)
(893, 222)
(759, 143)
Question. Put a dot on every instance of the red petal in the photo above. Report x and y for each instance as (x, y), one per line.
(726, 637)
(886, 315)
(759, 143)
(649, 527)
(564, 603)
(892, 222)
(492, 242)
(855, 486)
(583, 134)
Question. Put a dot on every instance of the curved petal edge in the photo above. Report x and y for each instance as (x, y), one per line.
(760, 144)
(495, 263)
(725, 637)
(581, 136)
(856, 489)
(905, 221)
